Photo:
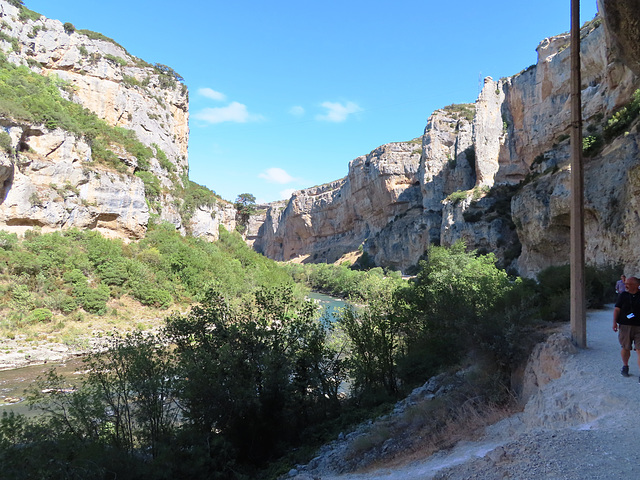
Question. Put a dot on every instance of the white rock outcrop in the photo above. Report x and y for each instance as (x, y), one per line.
(124, 91)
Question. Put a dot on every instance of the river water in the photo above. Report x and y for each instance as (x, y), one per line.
(331, 305)
(14, 382)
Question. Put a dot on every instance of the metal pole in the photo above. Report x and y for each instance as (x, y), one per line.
(578, 299)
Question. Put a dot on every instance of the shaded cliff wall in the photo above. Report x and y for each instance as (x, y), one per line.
(494, 173)
(50, 180)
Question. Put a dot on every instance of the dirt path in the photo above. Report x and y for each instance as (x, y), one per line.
(584, 425)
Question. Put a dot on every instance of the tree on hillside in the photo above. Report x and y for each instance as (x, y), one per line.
(245, 206)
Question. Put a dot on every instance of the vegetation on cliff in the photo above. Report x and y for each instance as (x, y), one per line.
(35, 99)
(27, 98)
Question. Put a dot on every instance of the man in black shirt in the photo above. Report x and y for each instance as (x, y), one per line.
(626, 321)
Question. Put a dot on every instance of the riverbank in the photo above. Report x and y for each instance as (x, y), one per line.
(71, 336)
(20, 352)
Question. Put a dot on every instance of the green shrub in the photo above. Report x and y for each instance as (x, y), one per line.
(117, 60)
(69, 27)
(8, 241)
(98, 36)
(94, 300)
(155, 297)
(465, 110)
(620, 120)
(15, 45)
(163, 160)
(555, 288)
(194, 196)
(76, 278)
(64, 303)
(130, 81)
(26, 14)
(22, 299)
(152, 188)
(5, 142)
(591, 145)
(40, 315)
(457, 196)
(114, 271)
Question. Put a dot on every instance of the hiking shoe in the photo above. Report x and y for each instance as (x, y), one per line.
(625, 371)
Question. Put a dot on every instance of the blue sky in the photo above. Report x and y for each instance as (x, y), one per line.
(283, 94)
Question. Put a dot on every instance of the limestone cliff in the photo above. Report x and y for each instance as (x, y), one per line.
(494, 173)
(324, 222)
(49, 179)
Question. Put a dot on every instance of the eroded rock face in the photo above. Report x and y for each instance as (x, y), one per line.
(324, 222)
(124, 91)
(623, 25)
(494, 174)
(52, 187)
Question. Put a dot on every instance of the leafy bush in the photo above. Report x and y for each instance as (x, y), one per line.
(403, 338)
(117, 60)
(98, 36)
(66, 270)
(194, 196)
(152, 188)
(130, 81)
(555, 288)
(465, 110)
(94, 300)
(457, 196)
(8, 241)
(5, 142)
(156, 297)
(163, 160)
(26, 14)
(69, 27)
(15, 45)
(40, 315)
(619, 121)
(591, 145)
(113, 271)
(22, 299)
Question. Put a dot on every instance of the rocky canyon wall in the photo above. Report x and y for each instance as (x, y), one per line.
(493, 173)
(48, 177)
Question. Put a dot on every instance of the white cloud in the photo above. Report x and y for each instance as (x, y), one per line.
(286, 194)
(276, 175)
(234, 112)
(212, 94)
(297, 111)
(338, 112)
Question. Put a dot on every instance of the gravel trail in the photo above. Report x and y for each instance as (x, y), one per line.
(584, 425)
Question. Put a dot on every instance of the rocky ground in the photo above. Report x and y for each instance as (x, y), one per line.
(16, 352)
(581, 426)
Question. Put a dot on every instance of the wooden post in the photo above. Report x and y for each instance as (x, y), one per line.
(578, 298)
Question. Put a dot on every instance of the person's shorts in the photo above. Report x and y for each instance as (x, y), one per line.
(628, 336)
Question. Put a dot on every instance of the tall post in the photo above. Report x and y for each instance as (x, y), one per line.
(578, 298)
